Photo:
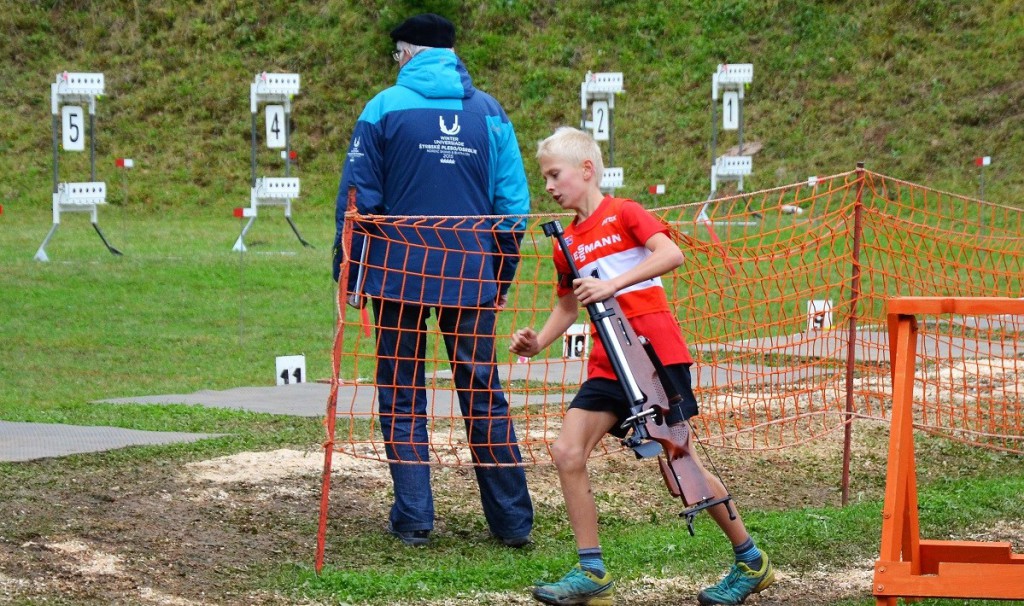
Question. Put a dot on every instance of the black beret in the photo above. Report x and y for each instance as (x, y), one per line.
(427, 29)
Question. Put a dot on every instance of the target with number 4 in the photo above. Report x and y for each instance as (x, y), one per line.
(276, 135)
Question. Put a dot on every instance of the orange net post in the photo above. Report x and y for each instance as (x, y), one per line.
(908, 566)
(330, 419)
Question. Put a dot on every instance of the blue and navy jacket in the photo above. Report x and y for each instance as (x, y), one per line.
(433, 145)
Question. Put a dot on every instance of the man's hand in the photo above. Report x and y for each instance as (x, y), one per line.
(524, 343)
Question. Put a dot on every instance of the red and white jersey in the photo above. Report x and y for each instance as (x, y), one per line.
(607, 244)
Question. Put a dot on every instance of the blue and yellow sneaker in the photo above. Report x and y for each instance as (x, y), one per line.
(738, 585)
(578, 586)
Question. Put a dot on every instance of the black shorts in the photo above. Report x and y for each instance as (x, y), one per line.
(606, 395)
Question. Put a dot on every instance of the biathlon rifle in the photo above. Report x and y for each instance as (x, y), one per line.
(656, 424)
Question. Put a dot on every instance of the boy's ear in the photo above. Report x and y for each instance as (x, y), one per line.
(588, 169)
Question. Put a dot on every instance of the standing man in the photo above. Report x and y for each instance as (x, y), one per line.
(433, 145)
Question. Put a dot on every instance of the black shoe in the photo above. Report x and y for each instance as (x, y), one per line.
(515, 542)
(412, 538)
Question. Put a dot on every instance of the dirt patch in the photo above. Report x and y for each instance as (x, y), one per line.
(206, 532)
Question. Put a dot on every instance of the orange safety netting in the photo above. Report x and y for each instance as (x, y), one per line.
(782, 300)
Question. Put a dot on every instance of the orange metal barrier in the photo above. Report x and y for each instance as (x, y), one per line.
(909, 566)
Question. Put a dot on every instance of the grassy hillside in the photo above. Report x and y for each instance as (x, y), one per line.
(915, 89)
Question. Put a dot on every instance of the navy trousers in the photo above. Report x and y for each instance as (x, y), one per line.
(468, 335)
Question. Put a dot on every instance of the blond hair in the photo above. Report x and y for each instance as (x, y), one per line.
(573, 146)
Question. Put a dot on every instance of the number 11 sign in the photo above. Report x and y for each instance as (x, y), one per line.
(291, 369)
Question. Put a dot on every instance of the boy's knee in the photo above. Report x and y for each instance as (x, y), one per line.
(567, 457)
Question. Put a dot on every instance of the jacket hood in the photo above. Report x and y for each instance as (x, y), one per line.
(437, 73)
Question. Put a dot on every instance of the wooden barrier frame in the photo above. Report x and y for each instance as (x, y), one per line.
(908, 566)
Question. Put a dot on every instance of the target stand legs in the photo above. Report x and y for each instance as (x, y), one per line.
(297, 234)
(41, 253)
(112, 250)
(239, 244)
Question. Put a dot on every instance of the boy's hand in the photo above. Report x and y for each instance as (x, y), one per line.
(524, 343)
(592, 290)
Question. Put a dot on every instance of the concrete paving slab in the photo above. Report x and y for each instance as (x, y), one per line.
(300, 399)
(297, 399)
(28, 441)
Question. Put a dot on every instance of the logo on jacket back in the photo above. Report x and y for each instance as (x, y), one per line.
(448, 145)
(454, 130)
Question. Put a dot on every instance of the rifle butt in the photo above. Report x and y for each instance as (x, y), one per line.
(684, 477)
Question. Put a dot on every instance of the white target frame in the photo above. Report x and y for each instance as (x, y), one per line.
(68, 92)
(597, 92)
(276, 90)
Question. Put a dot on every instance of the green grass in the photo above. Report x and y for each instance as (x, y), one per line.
(915, 89)
(178, 312)
(800, 541)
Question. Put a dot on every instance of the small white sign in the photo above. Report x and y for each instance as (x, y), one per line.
(275, 126)
(730, 110)
(291, 369)
(819, 315)
(736, 166)
(601, 122)
(576, 342)
(612, 177)
(73, 127)
(603, 82)
(735, 73)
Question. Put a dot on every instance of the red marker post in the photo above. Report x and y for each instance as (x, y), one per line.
(125, 163)
(981, 162)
